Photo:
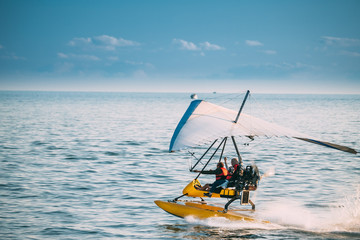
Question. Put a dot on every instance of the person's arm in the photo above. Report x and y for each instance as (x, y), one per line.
(207, 172)
(210, 172)
(225, 160)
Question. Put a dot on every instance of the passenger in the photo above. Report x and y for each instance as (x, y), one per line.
(234, 172)
(220, 175)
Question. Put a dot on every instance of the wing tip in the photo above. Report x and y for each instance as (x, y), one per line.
(330, 145)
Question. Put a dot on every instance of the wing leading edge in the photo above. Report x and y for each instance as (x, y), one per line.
(203, 122)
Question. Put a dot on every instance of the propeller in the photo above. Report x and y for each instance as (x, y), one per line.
(269, 173)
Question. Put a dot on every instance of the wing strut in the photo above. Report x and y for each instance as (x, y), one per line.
(203, 155)
(222, 151)
(236, 148)
(242, 105)
(210, 159)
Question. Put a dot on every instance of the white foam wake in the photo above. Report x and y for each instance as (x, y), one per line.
(341, 217)
(344, 216)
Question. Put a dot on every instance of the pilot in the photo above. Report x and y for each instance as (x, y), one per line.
(220, 177)
(234, 172)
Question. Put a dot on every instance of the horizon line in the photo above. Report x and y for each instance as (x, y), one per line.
(193, 92)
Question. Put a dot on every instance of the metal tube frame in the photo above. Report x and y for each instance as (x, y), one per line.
(203, 155)
(222, 151)
(210, 159)
(242, 105)
(236, 148)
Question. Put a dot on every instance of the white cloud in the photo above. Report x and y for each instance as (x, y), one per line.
(62, 55)
(86, 57)
(12, 56)
(209, 46)
(186, 45)
(133, 62)
(341, 41)
(80, 41)
(64, 67)
(253, 43)
(351, 54)
(103, 42)
(283, 66)
(113, 58)
(149, 65)
(78, 56)
(270, 52)
(292, 66)
(139, 74)
(110, 43)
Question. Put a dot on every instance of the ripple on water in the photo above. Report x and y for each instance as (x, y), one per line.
(112, 153)
(131, 143)
(76, 158)
(38, 143)
(56, 231)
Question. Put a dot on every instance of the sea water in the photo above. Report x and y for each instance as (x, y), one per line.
(79, 165)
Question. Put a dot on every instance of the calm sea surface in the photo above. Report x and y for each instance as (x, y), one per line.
(90, 165)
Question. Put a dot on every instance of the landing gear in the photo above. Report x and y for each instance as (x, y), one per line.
(244, 197)
(176, 199)
(229, 202)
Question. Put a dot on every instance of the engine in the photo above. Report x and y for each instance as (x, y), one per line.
(249, 179)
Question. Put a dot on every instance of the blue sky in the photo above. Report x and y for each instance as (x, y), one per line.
(226, 46)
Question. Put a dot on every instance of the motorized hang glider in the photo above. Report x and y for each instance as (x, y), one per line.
(206, 123)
